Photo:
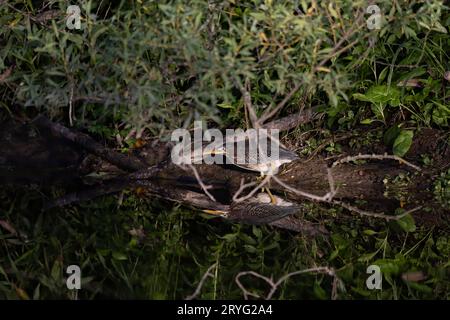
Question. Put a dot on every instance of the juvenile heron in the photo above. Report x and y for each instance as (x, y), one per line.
(258, 161)
(249, 153)
(266, 162)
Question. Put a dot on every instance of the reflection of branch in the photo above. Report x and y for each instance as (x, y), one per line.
(251, 193)
(125, 162)
(112, 186)
(242, 187)
(325, 198)
(274, 285)
(202, 281)
(200, 182)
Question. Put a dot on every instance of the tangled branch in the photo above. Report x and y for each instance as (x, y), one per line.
(202, 281)
(274, 285)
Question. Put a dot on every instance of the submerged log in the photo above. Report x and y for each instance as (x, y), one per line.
(47, 152)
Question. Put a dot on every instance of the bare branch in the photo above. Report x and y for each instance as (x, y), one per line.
(202, 281)
(307, 195)
(248, 103)
(242, 187)
(326, 270)
(293, 120)
(125, 162)
(376, 157)
(337, 48)
(255, 274)
(270, 113)
(374, 214)
(274, 285)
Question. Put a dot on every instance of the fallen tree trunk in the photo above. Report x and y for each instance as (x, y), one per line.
(152, 170)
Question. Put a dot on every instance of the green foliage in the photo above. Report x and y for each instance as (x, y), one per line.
(442, 189)
(158, 66)
(402, 142)
(152, 252)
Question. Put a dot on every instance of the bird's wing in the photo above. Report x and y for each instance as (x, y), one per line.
(260, 213)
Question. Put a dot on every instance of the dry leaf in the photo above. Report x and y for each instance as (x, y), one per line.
(138, 233)
(414, 276)
(411, 83)
(447, 76)
(6, 74)
(47, 15)
(8, 227)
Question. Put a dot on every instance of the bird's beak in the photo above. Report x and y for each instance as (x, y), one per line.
(215, 212)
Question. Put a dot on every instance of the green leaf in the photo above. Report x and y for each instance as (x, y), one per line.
(257, 232)
(391, 134)
(412, 74)
(380, 94)
(383, 74)
(366, 121)
(119, 255)
(419, 287)
(319, 292)
(230, 237)
(407, 223)
(249, 248)
(402, 143)
(367, 257)
(369, 232)
(388, 266)
(225, 106)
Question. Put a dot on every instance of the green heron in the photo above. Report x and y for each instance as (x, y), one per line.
(249, 154)
(258, 210)
(253, 161)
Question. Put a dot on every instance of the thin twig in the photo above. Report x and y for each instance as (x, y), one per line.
(242, 187)
(337, 48)
(71, 116)
(248, 104)
(376, 157)
(270, 113)
(325, 198)
(255, 274)
(326, 270)
(200, 182)
(374, 214)
(251, 193)
(202, 281)
(274, 285)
